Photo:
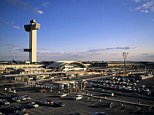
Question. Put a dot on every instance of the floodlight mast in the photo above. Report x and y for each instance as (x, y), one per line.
(125, 54)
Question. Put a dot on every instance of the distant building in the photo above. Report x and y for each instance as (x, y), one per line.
(98, 65)
(2, 70)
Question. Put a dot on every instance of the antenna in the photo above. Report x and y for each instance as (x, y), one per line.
(125, 54)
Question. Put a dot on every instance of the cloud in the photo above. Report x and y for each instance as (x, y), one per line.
(16, 27)
(22, 4)
(6, 22)
(96, 51)
(42, 50)
(110, 48)
(13, 47)
(92, 54)
(11, 24)
(144, 6)
(137, 1)
(39, 11)
(148, 54)
(44, 54)
(79, 56)
(18, 3)
(118, 48)
(45, 4)
(11, 51)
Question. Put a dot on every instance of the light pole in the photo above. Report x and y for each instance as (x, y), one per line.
(125, 54)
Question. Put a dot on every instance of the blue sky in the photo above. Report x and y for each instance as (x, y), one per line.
(79, 29)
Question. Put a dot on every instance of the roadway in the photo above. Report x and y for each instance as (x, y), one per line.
(32, 74)
(122, 99)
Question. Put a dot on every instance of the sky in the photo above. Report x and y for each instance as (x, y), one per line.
(80, 30)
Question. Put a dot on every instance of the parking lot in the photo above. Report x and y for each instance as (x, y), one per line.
(88, 104)
(85, 106)
(71, 106)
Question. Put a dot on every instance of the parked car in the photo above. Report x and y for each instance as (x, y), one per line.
(100, 105)
(4, 102)
(21, 113)
(15, 99)
(42, 102)
(99, 113)
(58, 104)
(22, 98)
(78, 97)
(63, 95)
(33, 105)
(27, 97)
(9, 110)
(75, 113)
(20, 108)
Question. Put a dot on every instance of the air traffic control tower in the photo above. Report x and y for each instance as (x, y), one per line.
(32, 29)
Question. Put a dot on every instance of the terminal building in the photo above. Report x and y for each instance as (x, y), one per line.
(13, 68)
(19, 72)
(67, 66)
